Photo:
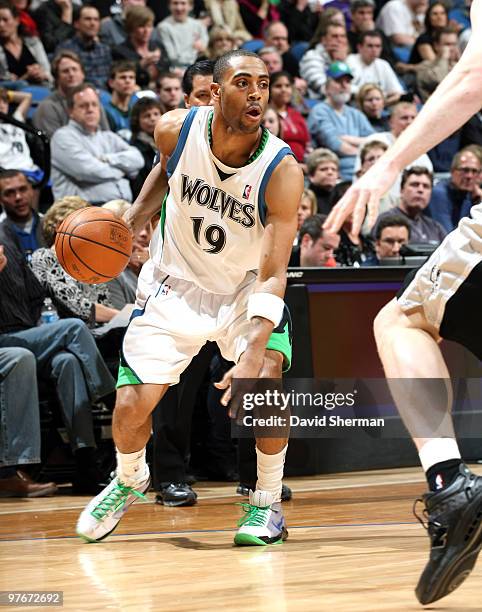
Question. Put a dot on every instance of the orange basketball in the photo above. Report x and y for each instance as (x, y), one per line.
(93, 245)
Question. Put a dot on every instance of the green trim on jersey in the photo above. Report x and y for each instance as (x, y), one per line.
(281, 342)
(162, 220)
(262, 143)
(126, 377)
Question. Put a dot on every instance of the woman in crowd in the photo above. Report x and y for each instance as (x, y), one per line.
(22, 58)
(144, 116)
(371, 102)
(91, 303)
(272, 121)
(295, 131)
(149, 55)
(436, 18)
(307, 207)
(220, 42)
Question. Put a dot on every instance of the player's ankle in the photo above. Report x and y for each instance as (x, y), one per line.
(442, 474)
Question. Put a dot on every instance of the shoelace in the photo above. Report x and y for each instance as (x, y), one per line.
(255, 516)
(434, 528)
(417, 516)
(114, 500)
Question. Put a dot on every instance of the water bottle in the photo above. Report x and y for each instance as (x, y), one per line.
(49, 313)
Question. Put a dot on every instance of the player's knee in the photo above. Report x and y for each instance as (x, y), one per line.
(272, 365)
(386, 320)
(129, 410)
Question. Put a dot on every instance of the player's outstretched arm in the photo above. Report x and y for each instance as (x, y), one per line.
(150, 198)
(456, 99)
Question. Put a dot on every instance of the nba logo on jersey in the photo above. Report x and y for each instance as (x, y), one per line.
(247, 191)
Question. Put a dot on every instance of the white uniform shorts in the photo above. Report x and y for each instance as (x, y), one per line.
(174, 318)
(448, 287)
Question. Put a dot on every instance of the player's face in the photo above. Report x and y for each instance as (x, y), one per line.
(124, 83)
(416, 192)
(243, 94)
(148, 120)
(69, 74)
(201, 91)
(466, 175)
(315, 253)
(391, 240)
(325, 174)
(86, 110)
(281, 91)
(16, 197)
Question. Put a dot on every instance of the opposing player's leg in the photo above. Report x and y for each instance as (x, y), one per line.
(419, 381)
(263, 522)
(131, 429)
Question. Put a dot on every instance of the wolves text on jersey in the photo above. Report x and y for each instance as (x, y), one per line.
(216, 199)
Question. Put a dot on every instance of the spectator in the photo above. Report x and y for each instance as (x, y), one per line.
(368, 67)
(17, 200)
(471, 133)
(196, 84)
(90, 303)
(416, 190)
(371, 102)
(19, 420)
(362, 20)
(370, 152)
(142, 47)
(436, 18)
(169, 91)
(122, 83)
(323, 172)
(86, 161)
(403, 113)
(307, 208)
(293, 126)
(65, 354)
(256, 14)
(453, 198)
(336, 125)
(21, 58)
(226, 14)
(220, 42)
(332, 45)
(112, 29)
(392, 233)
(54, 18)
(272, 58)
(145, 114)
(96, 57)
(402, 21)
(14, 150)
(272, 122)
(299, 18)
(184, 37)
(315, 245)
(52, 113)
(27, 22)
(276, 35)
(431, 72)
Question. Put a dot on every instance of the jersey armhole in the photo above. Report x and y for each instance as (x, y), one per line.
(262, 208)
(186, 126)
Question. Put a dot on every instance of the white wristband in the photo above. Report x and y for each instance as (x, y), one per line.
(266, 305)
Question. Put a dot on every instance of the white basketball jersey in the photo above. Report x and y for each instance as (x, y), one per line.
(212, 218)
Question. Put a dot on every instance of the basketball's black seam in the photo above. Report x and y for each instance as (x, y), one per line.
(95, 242)
(82, 261)
(103, 220)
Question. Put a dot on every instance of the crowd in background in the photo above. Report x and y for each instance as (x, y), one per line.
(347, 78)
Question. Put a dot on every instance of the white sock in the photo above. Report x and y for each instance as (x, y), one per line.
(437, 450)
(132, 467)
(270, 472)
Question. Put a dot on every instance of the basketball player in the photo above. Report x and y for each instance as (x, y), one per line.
(442, 300)
(222, 177)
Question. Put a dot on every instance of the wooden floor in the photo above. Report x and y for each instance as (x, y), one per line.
(354, 545)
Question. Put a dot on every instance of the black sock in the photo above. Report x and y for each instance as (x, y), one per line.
(442, 474)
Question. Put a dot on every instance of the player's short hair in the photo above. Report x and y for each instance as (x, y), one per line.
(121, 66)
(391, 221)
(313, 226)
(370, 146)
(321, 155)
(59, 210)
(77, 89)
(200, 68)
(223, 63)
(64, 54)
(417, 171)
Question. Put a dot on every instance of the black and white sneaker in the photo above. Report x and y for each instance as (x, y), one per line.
(454, 517)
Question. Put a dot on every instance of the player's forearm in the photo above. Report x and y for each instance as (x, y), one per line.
(149, 200)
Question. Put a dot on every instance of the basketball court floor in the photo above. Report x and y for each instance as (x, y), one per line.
(354, 545)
